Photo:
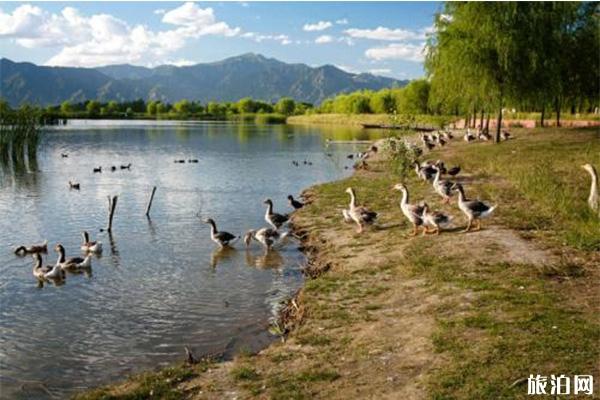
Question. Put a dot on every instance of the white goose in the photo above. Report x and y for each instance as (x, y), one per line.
(88, 246)
(593, 197)
(473, 209)
(359, 214)
(412, 212)
(268, 237)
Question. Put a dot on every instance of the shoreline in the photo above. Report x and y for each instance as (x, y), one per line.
(385, 315)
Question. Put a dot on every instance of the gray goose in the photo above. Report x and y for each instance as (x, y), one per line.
(274, 219)
(72, 263)
(442, 187)
(359, 214)
(473, 209)
(40, 270)
(35, 248)
(434, 219)
(221, 238)
(295, 203)
(413, 212)
(268, 237)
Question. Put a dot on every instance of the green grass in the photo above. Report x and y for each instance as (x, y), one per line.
(244, 373)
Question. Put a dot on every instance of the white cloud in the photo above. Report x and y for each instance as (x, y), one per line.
(342, 21)
(160, 11)
(102, 39)
(383, 33)
(319, 26)
(347, 68)
(346, 40)
(397, 51)
(259, 37)
(324, 39)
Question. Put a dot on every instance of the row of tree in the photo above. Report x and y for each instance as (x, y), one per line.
(183, 108)
(484, 56)
(411, 99)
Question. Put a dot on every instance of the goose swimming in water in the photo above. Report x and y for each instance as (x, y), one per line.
(434, 219)
(473, 209)
(97, 170)
(413, 212)
(442, 187)
(295, 203)
(72, 263)
(89, 246)
(40, 270)
(128, 166)
(35, 248)
(274, 219)
(221, 238)
(359, 214)
(268, 237)
(74, 185)
(593, 201)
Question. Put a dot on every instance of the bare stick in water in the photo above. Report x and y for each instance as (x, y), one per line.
(150, 202)
(112, 204)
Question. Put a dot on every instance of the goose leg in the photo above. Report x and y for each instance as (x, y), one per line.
(478, 225)
(415, 230)
(468, 228)
(437, 230)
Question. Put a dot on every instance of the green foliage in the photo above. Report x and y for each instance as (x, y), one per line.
(66, 107)
(285, 106)
(93, 108)
(414, 98)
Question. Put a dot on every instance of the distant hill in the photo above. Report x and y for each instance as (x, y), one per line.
(248, 75)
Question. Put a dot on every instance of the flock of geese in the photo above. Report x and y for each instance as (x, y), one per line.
(420, 214)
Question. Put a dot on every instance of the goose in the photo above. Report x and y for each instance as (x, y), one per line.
(468, 137)
(35, 248)
(88, 246)
(429, 145)
(412, 212)
(346, 215)
(64, 155)
(113, 168)
(425, 172)
(440, 141)
(128, 166)
(221, 238)
(268, 237)
(193, 160)
(74, 185)
(593, 201)
(434, 219)
(505, 135)
(295, 203)
(72, 263)
(360, 214)
(448, 135)
(97, 170)
(484, 136)
(274, 219)
(439, 165)
(473, 209)
(442, 187)
(40, 270)
(56, 273)
(454, 170)
(179, 161)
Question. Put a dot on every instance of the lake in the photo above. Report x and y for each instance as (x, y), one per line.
(161, 283)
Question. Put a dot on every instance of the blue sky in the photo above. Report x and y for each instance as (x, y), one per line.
(384, 38)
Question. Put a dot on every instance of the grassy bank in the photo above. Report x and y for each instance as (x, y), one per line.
(455, 316)
(371, 119)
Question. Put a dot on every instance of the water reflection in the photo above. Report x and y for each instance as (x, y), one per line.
(220, 255)
(271, 259)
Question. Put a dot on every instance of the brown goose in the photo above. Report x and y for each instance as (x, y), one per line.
(35, 248)
(473, 209)
(434, 219)
(360, 214)
(412, 212)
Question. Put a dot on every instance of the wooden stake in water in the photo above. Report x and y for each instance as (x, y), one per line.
(112, 204)
(150, 202)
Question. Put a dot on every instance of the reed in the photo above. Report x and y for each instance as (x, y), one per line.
(20, 136)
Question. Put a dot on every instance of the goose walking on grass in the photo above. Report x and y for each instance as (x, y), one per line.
(295, 203)
(89, 246)
(473, 209)
(221, 238)
(272, 218)
(468, 137)
(268, 237)
(73, 263)
(593, 201)
(442, 187)
(425, 172)
(434, 219)
(34, 248)
(412, 212)
(359, 214)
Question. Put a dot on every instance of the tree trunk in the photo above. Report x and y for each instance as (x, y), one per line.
(487, 124)
(467, 121)
(543, 115)
(499, 124)
(474, 121)
(481, 120)
(557, 112)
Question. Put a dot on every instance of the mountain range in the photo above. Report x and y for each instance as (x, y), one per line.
(247, 75)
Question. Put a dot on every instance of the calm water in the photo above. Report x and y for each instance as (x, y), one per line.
(160, 284)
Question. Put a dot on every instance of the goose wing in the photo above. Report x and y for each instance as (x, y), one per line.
(224, 236)
(477, 206)
(365, 214)
(278, 218)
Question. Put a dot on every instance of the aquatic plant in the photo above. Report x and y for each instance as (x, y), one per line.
(20, 136)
